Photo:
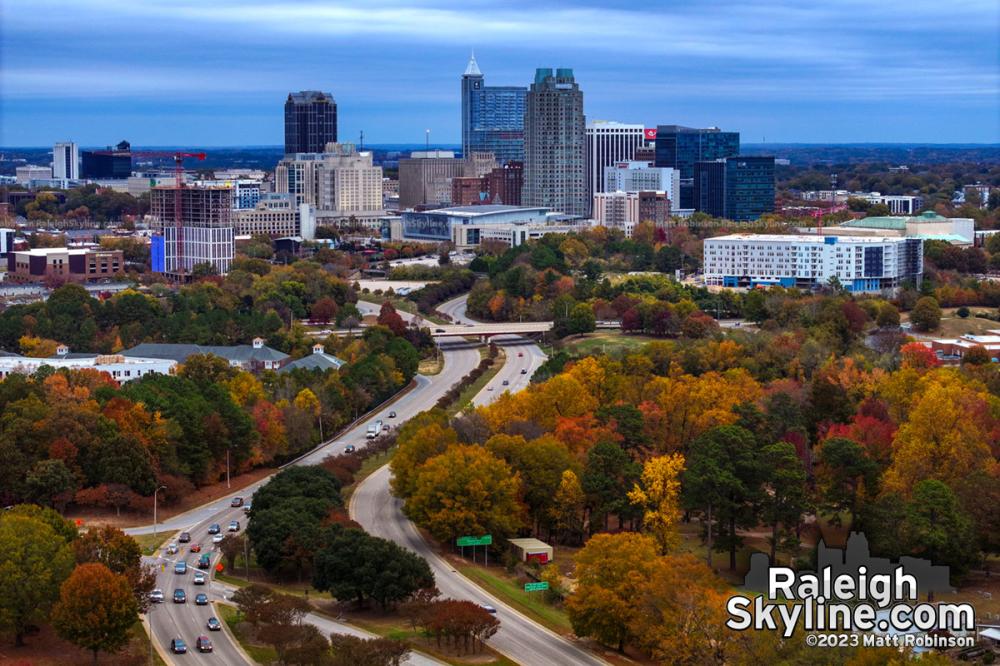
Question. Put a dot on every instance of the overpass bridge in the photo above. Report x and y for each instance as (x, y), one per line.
(489, 330)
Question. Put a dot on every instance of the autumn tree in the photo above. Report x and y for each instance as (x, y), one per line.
(540, 463)
(612, 571)
(607, 477)
(96, 609)
(34, 562)
(658, 493)
(122, 555)
(466, 490)
(844, 472)
(566, 512)
(926, 314)
(786, 496)
(351, 650)
(418, 442)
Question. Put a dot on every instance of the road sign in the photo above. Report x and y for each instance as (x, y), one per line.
(485, 540)
(535, 587)
(218, 567)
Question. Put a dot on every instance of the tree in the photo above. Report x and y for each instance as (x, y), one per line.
(786, 497)
(659, 495)
(352, 651)
(389, 318)
(34, 561)
(51, 482)
(96, 609)
(607, 477)
(926, 314)
(231, 546)
(420, 439)
(566, 512)
(352, 564)
(540, 462)
(844, 471)
(888, 316)
(612, 571)
(937, 529)
(122, 555)
(723, 477)
(466, 490)
(463, 623)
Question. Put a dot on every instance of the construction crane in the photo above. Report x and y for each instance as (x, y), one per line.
(178, 158)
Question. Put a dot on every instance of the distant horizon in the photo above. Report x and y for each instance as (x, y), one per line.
(458, 146)
(184, 72)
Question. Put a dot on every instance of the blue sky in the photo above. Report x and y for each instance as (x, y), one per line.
(216, 72)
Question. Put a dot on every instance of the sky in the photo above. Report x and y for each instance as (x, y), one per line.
(216, 72)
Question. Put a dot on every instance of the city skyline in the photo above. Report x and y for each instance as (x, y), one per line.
(186, 73)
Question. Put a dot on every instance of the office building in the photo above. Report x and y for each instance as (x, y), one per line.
(276, 215)
(120, 368)
(897, 204)
(860, 263)
(340, 180)
(468, 191)
(633, 176)
(554, 138)
(609, 143)
(624, 210)
(734, 188)
(6, 236)
(206, 234)
(492, 117)
(680, 148)
(927, 226)
(65, 264)
(462, 225)
(66, 161)
(504, 184)
(246, 191)
(108, 164)
(425, 177)
(646, 154)
(25, 174)
(310, 121)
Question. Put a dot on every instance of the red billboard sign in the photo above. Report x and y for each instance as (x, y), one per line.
(650, 133)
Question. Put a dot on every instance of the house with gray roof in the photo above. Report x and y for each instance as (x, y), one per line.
(252, 358)
(318, 360)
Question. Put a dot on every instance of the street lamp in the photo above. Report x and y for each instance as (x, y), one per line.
(227, 468)
(155, 492)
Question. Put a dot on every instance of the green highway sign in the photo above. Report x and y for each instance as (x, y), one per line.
(535, 587)
(475, 541)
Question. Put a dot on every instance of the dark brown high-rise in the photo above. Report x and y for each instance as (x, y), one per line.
(310, 121)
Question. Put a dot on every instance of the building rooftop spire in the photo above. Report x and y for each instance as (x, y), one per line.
(473, 67)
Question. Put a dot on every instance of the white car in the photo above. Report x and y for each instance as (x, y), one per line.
(156, 596)
(172, 549)
(199, 577)
(218, 538)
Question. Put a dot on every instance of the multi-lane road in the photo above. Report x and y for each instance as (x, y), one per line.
(373, 507)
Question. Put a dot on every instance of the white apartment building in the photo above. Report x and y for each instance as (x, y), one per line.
(276, 215)
(340, 179)
(608, 143)
(121, 368)
(860, 263)
(29, 172)
(632, 176)
(66, 161)
(624, 210)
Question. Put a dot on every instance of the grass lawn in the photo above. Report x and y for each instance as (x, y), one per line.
(601, 342)
(511, 591)
(470, 391)
(430, 366)
(401, 305)
(953, 326)
(262, 654)
(398, 628)
(150, 543)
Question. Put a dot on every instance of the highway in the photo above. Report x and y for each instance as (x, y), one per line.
(373, 506)
(188, 621)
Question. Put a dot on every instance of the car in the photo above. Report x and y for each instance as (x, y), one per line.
(218, 538)
(505, 383)
(199, 577)
(213, 624)
(489, 388)
(214, 528)
(524, 371)
(520, 354)
(201, 599)
(185, 537)
(205, 561)
(385, 428)
(172, 549)
(489, 609)
(195, 548)
(347, 449)
(234, 526)
(247, 507)
(181, 567)
(203, 644)
(237, 502)
(180, 596)
(156, 596)
(439, 330)
(392, 415)
(177, 646)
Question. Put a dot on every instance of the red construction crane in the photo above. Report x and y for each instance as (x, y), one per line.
(178, 158)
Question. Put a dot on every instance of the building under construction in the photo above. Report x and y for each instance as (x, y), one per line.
(206, 233)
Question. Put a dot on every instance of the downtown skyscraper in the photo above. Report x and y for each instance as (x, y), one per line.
(492, 117)
(554, 144)
(310, 122)
(681, 147)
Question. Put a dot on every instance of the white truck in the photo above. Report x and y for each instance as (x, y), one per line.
(374, 430)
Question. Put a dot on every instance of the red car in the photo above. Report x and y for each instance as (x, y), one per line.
(196, 548)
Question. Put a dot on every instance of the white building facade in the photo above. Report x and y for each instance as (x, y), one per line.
(608, 143)
(66, 161)
(276, 215)
(121, 368)
(860, 263)
(632, 176)
(340, 179)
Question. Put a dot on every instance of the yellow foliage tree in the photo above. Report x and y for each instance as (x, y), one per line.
(306, 401)
(36, 347)
(659, 495)
(246, 390)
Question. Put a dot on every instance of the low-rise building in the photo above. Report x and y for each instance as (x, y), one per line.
(121, 368)
(624, 210)
(29, 172)
(462, 225)
(253, 357)
(926, 226)
(951, 350)
(859, 263)
(318, 360)
(63, 263)
(276, 215)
